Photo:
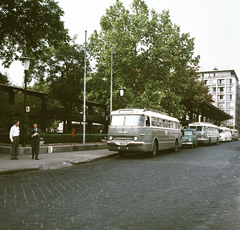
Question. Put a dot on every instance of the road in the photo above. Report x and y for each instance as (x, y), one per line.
(191, 189)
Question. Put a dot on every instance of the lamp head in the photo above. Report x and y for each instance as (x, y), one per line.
(122, 91)
(26, 62)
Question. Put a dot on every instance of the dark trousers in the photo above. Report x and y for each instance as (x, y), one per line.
(14, 152)
(35, 149)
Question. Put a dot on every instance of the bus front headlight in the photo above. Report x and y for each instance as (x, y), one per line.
(135, 138)
(110, 138)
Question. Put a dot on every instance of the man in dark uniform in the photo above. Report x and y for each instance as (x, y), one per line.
(35, 134)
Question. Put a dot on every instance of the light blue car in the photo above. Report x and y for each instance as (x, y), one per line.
(189, 137)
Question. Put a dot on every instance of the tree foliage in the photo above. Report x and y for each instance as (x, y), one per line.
(28, 27)
(61, 70)
(152, 59)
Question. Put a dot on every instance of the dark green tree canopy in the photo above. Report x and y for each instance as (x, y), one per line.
(27, 27)
(62, 69)
(151, 58)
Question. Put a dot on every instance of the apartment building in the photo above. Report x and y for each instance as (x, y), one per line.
(224, 87)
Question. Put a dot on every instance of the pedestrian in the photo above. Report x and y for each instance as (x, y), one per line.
(14, 137)
(35, 134)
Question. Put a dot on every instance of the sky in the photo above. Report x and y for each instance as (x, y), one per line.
(215, 25)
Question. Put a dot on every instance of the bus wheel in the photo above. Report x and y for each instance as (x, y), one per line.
(175, 149)
(154, 149)
(209, 143)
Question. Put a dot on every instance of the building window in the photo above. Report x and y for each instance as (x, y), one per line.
(220, 97)
(228, 105)
(221, 82)
(229, 81)
(229, 97)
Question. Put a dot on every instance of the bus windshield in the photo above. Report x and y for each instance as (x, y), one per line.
(117, 120)
(128, 120)
(199, 128)
(134, 120)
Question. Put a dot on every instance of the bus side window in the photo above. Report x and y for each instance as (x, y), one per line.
(165, 123)
(159, 122)
(154, 123)
(147, 121)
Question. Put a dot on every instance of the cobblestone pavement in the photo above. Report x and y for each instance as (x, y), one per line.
(191, 189)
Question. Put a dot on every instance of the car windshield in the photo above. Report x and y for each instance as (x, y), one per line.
(128, 120)
(221, 131)
(187, 132)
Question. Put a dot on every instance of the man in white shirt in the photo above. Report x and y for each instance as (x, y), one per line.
(14, 137)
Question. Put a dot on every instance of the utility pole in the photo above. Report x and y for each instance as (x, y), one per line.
(84, 97)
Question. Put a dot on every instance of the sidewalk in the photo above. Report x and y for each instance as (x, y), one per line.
(52, 160)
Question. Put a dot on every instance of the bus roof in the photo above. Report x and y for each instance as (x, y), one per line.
(144, 112)
(203, 124)
(224, 128)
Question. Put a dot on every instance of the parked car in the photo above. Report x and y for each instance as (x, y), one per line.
(189, 137)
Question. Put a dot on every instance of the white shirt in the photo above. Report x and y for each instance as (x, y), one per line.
(14, 131)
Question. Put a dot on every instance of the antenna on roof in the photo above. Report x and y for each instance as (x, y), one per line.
(215, 68)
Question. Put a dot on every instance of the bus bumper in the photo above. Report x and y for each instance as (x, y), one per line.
(203, 140)
(127, 146)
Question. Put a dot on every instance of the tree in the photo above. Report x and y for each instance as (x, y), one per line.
(62, 71)
(28, 27)
(6, 118)
(152, 59)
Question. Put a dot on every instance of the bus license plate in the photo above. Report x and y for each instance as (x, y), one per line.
(122, 143)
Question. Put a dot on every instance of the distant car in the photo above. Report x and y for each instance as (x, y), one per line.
(189, 138)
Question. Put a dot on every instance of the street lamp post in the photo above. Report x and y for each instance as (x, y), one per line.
(26, 67)
(121, 90)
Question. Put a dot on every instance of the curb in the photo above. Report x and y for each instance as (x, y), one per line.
(53, 166)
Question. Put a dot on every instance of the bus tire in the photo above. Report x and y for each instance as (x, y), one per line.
(209, 142)
(175, 149)
(154, 149)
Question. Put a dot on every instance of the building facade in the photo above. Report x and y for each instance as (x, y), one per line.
(224, 88)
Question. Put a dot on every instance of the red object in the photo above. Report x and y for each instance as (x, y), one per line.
(73, 133)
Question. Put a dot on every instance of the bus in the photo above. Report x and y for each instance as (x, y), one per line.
(234, 134)
(140, 130)
(207, 132)
(225, 134)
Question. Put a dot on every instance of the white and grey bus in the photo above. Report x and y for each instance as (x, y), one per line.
(140, 130)
(234, 134)
(225, 134)
(207, 132)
